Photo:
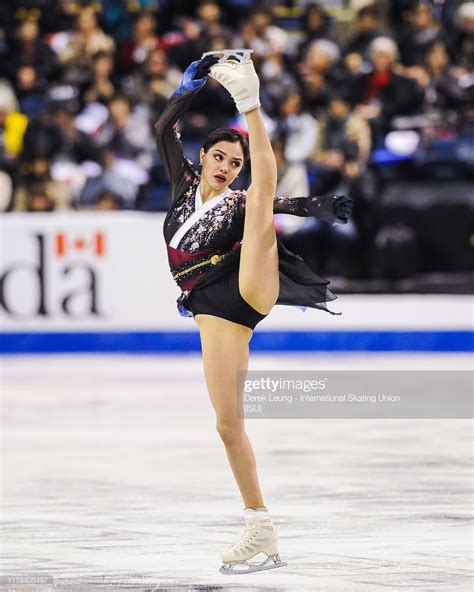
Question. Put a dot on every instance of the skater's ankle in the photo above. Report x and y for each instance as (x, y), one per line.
(256, 514)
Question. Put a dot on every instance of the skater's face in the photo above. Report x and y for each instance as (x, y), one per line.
(221, 164)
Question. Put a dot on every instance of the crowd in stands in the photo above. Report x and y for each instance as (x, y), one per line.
(81, 85)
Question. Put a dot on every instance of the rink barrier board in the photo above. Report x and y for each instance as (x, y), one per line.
(164, 342)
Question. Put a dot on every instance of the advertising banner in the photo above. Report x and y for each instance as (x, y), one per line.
(104, 277)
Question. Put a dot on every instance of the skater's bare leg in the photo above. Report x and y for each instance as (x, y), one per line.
(225, 351)
(258, 272)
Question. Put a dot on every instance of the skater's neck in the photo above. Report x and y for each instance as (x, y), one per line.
(207, 192)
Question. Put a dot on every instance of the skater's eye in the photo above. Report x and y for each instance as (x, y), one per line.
(220, 157)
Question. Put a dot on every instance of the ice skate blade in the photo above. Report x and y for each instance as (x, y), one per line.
(243, 567)
(239, 56)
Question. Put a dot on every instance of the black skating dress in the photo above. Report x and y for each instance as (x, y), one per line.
(204, 239)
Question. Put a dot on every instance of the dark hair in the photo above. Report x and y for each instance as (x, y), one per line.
(227, 135)
(368, 10)
(313, 7)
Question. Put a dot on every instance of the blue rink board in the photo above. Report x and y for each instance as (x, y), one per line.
(264, 341)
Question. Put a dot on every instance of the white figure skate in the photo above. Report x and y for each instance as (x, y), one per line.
(236, 72)
(260, 536)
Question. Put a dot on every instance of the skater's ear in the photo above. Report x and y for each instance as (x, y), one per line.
(201, 156)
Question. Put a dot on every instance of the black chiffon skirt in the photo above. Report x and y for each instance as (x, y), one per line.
(299, 285)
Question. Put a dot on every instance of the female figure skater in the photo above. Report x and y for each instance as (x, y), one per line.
(224, 255)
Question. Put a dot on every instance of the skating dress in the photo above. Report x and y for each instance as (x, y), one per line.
(204, 239)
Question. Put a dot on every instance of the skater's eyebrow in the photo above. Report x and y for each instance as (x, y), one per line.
(222, 152)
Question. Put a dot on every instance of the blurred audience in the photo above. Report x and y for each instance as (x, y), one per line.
(82, 83)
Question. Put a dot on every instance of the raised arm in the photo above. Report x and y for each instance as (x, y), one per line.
(169, 146)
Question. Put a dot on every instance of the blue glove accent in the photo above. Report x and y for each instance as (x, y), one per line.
(189, 83)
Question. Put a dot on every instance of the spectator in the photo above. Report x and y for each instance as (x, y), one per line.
(422, 34)
(321, 57)
(382, 93)
(292, 181)
(73, 145)
(38, 191)
(368, 29)
(38, 200)
(156, 78)
(101, 87)
(209, 17)
(317, 74)
(258, 33)
(127, 133)
(42, 137)
(344, 137)
(109, 202)
(13, 125)
(315, 93)
(298, 127)
(275, 82)
(192, 44)
(28, 50)
(134, 52)
(316, 25)
(445, 91)
(30, 90)
(460, 41)
(87, 40)
(6, 191)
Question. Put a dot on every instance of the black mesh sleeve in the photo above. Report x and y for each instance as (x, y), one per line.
(327, 208)
(169, 146)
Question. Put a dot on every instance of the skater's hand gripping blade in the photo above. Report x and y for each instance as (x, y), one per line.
(240, 80)
(243, 567)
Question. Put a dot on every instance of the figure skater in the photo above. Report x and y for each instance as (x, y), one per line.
(225, 257)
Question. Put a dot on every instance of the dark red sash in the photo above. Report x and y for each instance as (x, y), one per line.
(180, 261)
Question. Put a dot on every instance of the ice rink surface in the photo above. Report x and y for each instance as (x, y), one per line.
(114, 478)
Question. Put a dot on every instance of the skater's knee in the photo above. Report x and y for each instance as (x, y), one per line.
(230, 431)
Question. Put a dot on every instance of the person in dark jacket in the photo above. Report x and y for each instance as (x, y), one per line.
(382, 93)
(368, 29)
(28, 50)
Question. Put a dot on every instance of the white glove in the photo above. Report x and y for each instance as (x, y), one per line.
(241, 81)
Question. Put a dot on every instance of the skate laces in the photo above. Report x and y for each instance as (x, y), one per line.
(249, 535)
